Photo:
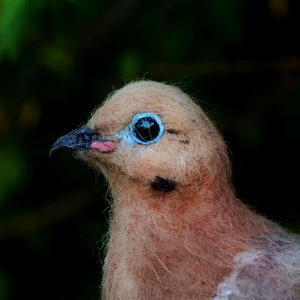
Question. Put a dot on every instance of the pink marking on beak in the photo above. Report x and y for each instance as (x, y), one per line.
(104, 147)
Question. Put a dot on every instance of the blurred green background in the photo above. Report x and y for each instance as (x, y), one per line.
(59, 59)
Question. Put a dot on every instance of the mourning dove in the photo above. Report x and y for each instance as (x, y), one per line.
(177, 228)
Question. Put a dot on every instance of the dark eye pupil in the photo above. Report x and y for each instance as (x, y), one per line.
(146, 129)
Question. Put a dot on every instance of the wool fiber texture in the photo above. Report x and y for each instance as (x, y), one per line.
(177, 228)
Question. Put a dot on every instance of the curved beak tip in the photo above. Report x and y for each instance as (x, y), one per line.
(77, 139)
(83, 138)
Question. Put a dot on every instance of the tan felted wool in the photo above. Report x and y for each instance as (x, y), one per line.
(177, 229)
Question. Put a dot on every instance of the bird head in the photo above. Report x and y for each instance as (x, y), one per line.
(151, 133)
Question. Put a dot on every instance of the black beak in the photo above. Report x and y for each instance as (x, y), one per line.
(78, 139)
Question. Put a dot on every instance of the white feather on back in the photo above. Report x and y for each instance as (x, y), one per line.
(269, 271)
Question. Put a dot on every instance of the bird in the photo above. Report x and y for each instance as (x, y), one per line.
(178, 229)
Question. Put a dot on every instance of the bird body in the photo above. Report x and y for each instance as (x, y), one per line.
(177, 229)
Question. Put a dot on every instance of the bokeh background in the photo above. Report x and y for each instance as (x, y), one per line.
(59, 59)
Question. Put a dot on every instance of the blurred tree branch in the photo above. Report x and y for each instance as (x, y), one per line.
(260, 107)
(104, 26)
(279, 8)
(224, 68)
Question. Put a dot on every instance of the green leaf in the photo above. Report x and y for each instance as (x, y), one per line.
(129, 65)
(4, 285)
(227, 19)
(12, 172)
(56, 59)
(14, 18)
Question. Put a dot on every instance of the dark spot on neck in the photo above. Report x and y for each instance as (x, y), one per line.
(163, 184)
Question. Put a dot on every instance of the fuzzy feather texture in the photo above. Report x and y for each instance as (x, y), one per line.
(193, 239)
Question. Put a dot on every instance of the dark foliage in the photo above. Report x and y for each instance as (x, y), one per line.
(59, 59)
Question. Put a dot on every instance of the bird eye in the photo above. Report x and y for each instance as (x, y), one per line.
(146, 128)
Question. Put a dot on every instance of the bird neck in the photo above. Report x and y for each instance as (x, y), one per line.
(195, 231)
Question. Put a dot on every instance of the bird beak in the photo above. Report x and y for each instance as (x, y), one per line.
(83, 138)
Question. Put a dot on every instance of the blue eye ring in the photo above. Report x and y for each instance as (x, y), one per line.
(146, 128)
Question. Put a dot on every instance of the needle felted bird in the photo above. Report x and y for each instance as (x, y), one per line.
(177, 229)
